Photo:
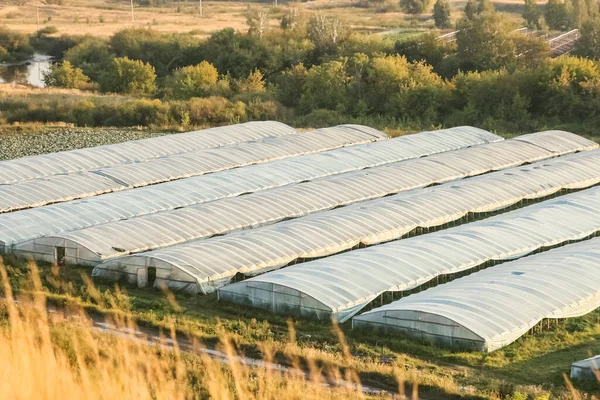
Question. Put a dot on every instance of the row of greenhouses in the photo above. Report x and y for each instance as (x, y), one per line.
(436, 235)
(93, 245)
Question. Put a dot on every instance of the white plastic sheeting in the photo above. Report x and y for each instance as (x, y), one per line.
(213, 262)
(586, 369)
(59, 188)
(340, 286)
(68, 162)
(102, 242)
(492, 308)
(28, 224)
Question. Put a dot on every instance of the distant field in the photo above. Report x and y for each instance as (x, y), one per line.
(103, 18)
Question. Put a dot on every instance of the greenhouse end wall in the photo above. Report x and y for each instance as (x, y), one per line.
(275, 298)
(429, 328)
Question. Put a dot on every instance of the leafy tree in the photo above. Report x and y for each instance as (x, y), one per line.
(258, 23)
(441, 14)
(485, 42)
(426, 47)
(235, 53)
(193, 81)
(288, 86)
(325, 87)
(93, 56)
(558, 15)
(326, 32)
(414, 6)
(485, 6)
(588, 44)
(166, 52)
(532, 14)
(129, 76)
(470, 9)
(14, 46)
(64, 75)
(253, 83)
(294, 21)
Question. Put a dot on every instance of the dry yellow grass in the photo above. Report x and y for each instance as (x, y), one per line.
(104, 18)
(46, 359)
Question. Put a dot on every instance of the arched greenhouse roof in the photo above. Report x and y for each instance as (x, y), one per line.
(270, 247)
(500, 304)
(68, 162)
(27, 224)
(347, 282)
(67, 187)
(215, 218)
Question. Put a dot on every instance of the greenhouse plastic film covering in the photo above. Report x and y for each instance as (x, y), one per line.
(492, 308)
(259, 250)
(346, 283)
(168, 228)
(68, 162)
(59, 188)
(23, 225)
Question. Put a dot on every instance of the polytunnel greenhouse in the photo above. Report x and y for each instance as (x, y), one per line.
(66, 187)
(491, 309)
(338, 287)
(214, 262)
(102, 242)
(68, 162)
(17, 227)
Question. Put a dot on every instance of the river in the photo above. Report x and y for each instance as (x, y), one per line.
(26, 72)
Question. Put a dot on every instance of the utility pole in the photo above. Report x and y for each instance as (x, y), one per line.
(201, 11)
(132, 17)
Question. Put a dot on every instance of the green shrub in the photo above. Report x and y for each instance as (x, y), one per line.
(64, 75)
(193, 81)
(129, 76)
(14, 46)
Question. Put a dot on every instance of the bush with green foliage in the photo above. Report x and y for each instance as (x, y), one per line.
(414, 6)
(14, 46)
(558, 15)
(129, 76)
(441, 14)
(532, 15)
(64, 75)
(92, 55)
(193, 81)
(588, 44)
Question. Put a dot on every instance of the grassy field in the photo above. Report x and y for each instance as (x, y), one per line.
(533, 365)
(103, 18)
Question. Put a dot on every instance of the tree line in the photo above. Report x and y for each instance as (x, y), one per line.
(313, 70)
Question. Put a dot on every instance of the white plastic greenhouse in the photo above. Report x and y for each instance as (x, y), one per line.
(102, 242)
(68, 162)
(492, 308)
(212, 263)
(339, 287)
(66, 187)
(28, 224)
(586, 369)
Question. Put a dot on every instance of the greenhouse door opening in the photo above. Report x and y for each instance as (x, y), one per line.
(151, 276)
(146, 277)
(60, 255)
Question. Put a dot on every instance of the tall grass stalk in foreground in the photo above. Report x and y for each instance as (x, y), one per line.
(47, 358)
